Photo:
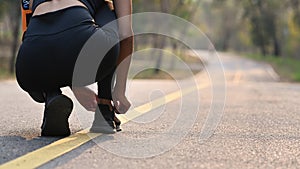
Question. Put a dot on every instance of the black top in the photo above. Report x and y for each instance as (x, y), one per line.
(92, 5)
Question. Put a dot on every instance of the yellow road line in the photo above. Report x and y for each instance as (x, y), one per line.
(56, 149)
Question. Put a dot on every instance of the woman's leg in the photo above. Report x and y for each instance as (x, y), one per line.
(104, 115)
(58, 108)
(45, 64)
(106, 19)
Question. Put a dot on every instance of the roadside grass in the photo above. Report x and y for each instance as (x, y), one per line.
(171, 64)
(170, 75)
(152, 74)
(177, 66)
(287, 68)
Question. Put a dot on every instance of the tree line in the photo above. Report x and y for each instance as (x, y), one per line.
(10, 20)
(272, 26)
(269, 27)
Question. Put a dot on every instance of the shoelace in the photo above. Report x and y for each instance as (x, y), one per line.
(112, 108)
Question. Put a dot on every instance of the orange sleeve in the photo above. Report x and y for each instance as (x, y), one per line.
(25, 18)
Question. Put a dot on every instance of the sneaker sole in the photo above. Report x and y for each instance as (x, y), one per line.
(56, 117)
(104, 130)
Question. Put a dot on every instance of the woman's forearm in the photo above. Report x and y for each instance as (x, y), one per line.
(123, 10)
(124, 61)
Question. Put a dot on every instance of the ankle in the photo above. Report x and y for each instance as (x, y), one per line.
(105, 102)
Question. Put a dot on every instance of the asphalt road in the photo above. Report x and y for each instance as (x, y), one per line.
(259, 127)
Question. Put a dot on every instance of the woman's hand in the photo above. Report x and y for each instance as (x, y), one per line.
(121, 103)
(123, 9)
(86, 97)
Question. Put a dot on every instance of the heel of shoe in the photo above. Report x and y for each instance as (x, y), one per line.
(56, 116)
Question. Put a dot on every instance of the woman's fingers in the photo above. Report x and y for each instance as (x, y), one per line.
(93, 109)
(86, 97)
(89, 104)
(122, 107)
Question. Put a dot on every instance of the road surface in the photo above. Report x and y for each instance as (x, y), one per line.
(259, 128)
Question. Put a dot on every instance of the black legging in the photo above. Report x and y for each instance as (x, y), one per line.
(52, 43)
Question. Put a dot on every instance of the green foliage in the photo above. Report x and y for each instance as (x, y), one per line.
(3, 7)
(287, 67)
(8, 6)
(181, 8)
(263, 17)
(263, 22)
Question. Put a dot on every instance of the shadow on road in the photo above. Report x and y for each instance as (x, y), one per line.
(87, 147)
(15, 146)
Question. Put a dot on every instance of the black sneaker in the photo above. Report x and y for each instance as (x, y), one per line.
(103, 120)
(56, 115)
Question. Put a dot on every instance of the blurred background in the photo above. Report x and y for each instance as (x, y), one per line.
(265, 30)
